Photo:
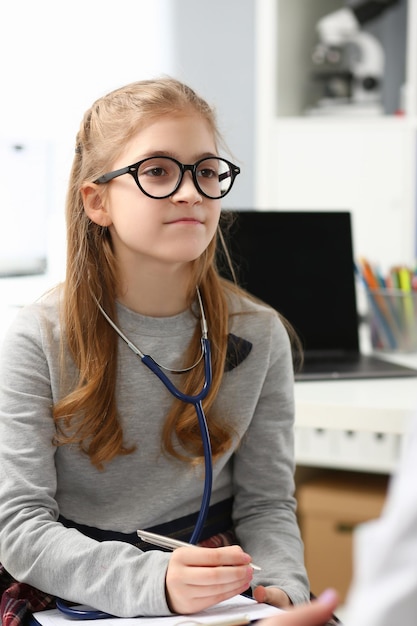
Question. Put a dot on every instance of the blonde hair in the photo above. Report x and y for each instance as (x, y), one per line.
(87, 415)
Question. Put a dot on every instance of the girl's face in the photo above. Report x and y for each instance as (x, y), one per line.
(174, 230)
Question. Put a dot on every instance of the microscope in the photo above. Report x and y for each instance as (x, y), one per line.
(349, 62)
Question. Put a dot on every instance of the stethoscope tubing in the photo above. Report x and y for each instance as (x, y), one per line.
(196, 400)
(76, 613)
(208, 476)
(152, 365)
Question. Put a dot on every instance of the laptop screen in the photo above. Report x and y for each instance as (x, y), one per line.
(301, 263)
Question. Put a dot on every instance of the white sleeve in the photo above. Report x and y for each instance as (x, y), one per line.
(384, 587)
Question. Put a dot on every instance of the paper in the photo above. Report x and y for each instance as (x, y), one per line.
(234, 607)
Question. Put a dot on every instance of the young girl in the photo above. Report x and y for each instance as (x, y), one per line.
(93, 445)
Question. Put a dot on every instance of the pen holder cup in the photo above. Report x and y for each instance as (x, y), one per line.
(393, 320)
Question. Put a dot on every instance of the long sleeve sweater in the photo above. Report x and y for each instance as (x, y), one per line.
(40, 482)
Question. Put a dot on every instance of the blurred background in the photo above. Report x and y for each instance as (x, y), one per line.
(57, 58)
(304, 135)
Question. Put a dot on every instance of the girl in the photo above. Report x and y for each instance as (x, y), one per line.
(93, 446)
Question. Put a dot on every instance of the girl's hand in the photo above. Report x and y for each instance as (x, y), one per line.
(197, 577)
(272, 595)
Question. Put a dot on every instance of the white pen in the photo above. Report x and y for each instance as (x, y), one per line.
(170, 544)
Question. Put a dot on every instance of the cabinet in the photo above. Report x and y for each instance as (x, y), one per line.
(354, 424)
(330, 509)
(363, 163)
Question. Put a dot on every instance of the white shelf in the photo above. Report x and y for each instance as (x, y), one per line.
(367, 165)
(364, 164)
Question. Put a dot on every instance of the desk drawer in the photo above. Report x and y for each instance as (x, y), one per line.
(329, 510)
(349, 449)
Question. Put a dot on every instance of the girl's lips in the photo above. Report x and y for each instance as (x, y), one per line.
(182, 220)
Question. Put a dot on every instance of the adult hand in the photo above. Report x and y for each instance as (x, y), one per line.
(197, 577)
(315, 613)
(272, 595)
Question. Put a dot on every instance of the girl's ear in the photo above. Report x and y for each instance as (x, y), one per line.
(93, 205)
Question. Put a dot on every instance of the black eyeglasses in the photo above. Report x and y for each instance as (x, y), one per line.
(160, 176)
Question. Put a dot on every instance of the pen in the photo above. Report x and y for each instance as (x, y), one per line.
(170, 544)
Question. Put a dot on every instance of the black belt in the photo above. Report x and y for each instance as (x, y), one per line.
(219, 520)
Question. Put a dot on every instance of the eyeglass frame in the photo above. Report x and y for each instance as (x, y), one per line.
(183, 167)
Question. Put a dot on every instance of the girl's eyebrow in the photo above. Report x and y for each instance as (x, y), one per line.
(172, 155)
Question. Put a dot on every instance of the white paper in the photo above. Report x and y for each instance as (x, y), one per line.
(234, 607)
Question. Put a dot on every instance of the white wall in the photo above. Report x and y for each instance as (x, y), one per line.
(59, 57)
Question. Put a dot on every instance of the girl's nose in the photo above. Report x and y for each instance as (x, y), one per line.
(187, 191)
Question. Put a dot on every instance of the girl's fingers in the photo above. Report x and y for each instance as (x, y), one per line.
(200, 577)
(272, 595)
(211, 557)
(219, 575)
(200, 590)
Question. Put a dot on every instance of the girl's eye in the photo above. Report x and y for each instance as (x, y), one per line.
(155, 171)
(207, 173)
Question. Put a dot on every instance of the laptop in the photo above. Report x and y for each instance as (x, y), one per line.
(302, 264)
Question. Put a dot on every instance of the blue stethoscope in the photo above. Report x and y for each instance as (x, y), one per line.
(196, 400)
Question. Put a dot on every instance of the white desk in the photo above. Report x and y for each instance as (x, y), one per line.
(354, 424)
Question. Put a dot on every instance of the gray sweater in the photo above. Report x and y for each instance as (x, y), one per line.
(39, 482)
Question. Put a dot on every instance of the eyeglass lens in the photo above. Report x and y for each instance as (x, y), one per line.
(159, 176)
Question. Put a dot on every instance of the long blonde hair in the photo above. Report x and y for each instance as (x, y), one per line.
(87, 416)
